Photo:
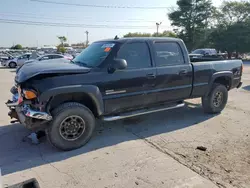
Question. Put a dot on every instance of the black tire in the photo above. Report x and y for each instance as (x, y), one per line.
(210, 103)
(12, 65)
(68, 110)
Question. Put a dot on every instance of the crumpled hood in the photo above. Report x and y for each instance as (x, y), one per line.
(30, 70)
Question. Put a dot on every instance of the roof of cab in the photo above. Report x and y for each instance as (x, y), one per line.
(142, 39)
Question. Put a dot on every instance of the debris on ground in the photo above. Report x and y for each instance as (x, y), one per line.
(32, 138)
(201, 148)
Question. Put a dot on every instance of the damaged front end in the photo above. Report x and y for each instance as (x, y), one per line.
(25, 109)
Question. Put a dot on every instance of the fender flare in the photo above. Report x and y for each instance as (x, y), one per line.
(227, 74)
(92, 91)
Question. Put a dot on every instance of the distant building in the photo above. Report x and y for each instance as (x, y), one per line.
(47, 47)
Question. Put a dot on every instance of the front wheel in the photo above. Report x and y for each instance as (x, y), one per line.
(12, 65)
(216, 101)
(72, 126)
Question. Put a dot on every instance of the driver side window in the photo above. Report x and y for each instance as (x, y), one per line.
(136, 54)
(44, 58)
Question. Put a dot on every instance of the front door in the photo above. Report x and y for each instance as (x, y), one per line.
(174, 75)
(22, 59)
(128, 89)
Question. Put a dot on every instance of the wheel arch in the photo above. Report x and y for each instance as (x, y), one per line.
(8, 64)
(225, 78)
(88, 95)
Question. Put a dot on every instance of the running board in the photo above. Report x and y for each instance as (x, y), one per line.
(142, 112)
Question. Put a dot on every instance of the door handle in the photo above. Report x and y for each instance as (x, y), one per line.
(151, 76)
(183, 72)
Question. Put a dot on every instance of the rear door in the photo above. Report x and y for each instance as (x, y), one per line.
(130, 88)
(174, 75)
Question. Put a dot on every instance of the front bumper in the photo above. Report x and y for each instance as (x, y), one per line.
(3, 64)
(24, 112)
(239, 85)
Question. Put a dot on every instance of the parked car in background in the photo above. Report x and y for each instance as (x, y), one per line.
(19, 61)
(68, 56)
(205, 54)
(46, 57)
(52, 58)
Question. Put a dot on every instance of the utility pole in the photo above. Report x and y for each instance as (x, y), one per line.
(87, 38)
(157, 28)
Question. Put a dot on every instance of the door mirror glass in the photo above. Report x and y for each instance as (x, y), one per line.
(120, 64)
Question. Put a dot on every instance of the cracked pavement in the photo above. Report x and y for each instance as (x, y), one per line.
(157, 150)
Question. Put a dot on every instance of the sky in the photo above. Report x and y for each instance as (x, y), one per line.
(133, 20)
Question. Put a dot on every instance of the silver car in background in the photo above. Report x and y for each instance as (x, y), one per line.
(46, 57)
(19, 61)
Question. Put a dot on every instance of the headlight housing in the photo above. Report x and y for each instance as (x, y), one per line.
(29, 94)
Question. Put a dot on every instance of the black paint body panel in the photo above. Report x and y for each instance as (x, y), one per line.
(126, 90)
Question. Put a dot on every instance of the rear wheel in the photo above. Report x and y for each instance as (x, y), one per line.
(216, 101)
(72, 126)
(12, 65)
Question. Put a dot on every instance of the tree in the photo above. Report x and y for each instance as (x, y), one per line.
(232, 30)
(192, 20)
(64, 45)
(62, 39)
(233, 12)
(61, 49)
(137, 35)
(17, 47)
(163, 34)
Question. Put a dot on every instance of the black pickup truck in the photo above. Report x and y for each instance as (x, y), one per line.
(112, 80)
(206, 54)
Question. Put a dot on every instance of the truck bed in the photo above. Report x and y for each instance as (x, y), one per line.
(203, 72)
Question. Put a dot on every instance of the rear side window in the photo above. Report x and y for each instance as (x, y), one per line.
(213, 52)
(136, 54)
(168, 53)
(56, 56)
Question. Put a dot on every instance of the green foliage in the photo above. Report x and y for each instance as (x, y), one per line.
(137, 35)
(61, 49)
(200, 24)
(163, 34)
(17, 47)
(64, 45)
(233, 25)
(233, 12)
(192, 20)
(62, 39)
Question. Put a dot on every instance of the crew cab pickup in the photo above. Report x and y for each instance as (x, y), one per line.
(116, 79)
(206, 54)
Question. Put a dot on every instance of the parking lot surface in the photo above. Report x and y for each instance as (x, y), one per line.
(157, 150)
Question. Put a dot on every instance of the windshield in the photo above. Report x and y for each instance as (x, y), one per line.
(95, 54)
(198, 51)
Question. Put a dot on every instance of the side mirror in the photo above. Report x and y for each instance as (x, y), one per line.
(120, 64)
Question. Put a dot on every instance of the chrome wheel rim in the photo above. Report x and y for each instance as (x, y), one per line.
(218, 99)
(72, 128)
